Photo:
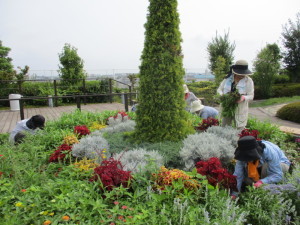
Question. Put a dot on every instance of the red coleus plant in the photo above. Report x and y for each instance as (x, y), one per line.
(121, 113)
(247, 132)
(206, 123)
(111, 174)
(60, 153)
(216, 174)
(81, 130)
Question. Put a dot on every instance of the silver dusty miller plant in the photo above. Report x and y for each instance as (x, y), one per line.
(115, 125)
(229, 133)
(91, 147)
(139, 160)
(203, 146)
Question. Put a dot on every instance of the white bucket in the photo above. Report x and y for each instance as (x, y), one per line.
(14, 104)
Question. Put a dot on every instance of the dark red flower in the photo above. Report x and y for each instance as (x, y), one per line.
(247, 132)
(81, 130)
(60, 153)
(206, 123)
(111, 174)
(216, 174)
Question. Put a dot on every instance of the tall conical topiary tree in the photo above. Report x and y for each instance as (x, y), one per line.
(160, 114)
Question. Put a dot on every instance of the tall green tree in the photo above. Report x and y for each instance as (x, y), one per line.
(72, 65)
(220, 46)
(267, 66)
(160, 114)
(219, 70)
(291, 43)
(23, 74)
(6, 68)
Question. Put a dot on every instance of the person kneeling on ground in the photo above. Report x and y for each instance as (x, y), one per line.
(27, 125)
(258, 162)
(203, 111)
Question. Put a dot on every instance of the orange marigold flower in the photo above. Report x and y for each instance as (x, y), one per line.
(23, 190)
(65, 218)
(47, 222)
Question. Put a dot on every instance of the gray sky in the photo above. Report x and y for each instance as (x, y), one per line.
(109, 34)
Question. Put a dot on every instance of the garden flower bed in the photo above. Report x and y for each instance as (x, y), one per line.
(82, 169)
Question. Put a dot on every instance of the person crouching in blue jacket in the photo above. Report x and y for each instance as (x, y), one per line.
(258, 163)
(203, 111)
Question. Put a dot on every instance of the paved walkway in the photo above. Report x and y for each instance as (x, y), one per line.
(268, 113)
(8, 118)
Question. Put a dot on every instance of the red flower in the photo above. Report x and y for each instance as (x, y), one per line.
(116, 203)
(111, 174)
(81, 130)
(247, 132)
(23, 190)
(206, 123)
(60, 153)
(216, 174)
(124, 207)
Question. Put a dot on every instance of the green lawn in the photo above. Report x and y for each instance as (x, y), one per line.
(274, 101)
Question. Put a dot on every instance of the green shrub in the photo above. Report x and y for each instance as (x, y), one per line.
(290, 112)
(280, 90)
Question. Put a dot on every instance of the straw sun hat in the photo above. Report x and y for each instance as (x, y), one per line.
(196, 106)
(241, 68)
(185, 89)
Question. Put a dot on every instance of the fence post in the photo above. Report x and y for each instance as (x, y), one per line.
(110, 90)
(78, 102)
(126, 101)
(55, 93)
(84, 90)
(20, 87)
(130, 97)
(21, 103)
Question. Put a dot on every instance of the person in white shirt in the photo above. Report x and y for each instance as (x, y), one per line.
(26, 125)
(189, 97)
(238, 79)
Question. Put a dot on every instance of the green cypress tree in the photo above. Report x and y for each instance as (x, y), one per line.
(160, 113)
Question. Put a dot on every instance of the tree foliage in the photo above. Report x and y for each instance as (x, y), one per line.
(267, 65)
(220, 69)
(160, 114)
(6, 67)
(132, 78)
(220, 46)
(291, 43)
(71, 65)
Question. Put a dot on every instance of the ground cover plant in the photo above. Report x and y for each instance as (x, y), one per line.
(93, 188)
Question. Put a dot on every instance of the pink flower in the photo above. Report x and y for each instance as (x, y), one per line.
(124, 207)
(116, 203)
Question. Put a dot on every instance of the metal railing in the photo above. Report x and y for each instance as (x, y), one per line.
(78, 98)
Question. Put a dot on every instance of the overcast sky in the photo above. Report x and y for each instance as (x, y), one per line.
(109, 34)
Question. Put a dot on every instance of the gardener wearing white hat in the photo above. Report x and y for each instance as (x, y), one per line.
(189, 97)
(203, 111)
(238, 80)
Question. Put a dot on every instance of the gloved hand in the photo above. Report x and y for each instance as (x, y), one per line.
(258, 184)
(241, 99)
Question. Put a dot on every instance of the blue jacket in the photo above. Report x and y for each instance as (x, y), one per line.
(272, 155)
(208, 112)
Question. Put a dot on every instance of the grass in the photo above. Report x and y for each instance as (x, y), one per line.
(274, 101)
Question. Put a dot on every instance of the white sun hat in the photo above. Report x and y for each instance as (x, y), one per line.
(185, 88)
(196, 106)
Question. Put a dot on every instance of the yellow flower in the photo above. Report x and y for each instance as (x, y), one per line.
(51, 214)
(71, 139)
(19, 204)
